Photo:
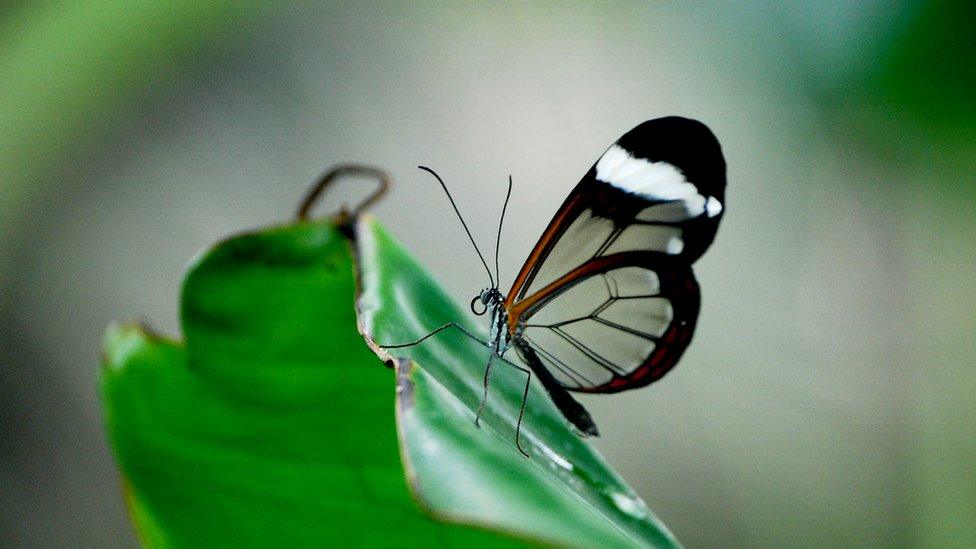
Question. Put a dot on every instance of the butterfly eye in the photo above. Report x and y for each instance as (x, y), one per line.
(484, 306)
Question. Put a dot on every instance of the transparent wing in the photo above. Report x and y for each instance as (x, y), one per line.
(658, 228)
(613, 330)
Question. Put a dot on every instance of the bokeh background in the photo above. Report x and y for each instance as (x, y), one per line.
(830, 396)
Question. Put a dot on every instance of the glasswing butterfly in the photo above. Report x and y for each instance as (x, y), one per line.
(607, 300)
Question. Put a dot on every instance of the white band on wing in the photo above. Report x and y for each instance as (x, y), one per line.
(659, 181)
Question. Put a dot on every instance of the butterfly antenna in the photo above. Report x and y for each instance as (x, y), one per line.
(463, 224)
(498, 239)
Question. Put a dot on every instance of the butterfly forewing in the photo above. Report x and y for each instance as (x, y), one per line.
(607, 299)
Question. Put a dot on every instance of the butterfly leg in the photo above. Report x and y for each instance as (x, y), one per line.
(433, 333)
(525, 391)
(525, 398)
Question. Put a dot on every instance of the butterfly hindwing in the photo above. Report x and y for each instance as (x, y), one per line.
(614, 330)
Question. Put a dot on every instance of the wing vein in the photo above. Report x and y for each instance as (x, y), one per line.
(579, 378)
(597, 358)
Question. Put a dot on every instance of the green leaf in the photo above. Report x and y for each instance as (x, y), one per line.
(563, 494)
(274, 424)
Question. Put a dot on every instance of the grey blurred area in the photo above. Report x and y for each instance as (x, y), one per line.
(827, 399)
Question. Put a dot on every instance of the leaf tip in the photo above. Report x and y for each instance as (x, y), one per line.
(122, 341)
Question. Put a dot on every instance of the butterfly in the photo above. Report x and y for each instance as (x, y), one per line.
(607, 300)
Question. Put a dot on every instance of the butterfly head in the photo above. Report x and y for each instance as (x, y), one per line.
(490, 298)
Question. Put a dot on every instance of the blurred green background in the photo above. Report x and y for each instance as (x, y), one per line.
(830, 395)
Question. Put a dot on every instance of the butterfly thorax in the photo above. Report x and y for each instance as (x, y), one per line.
(498, 335)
